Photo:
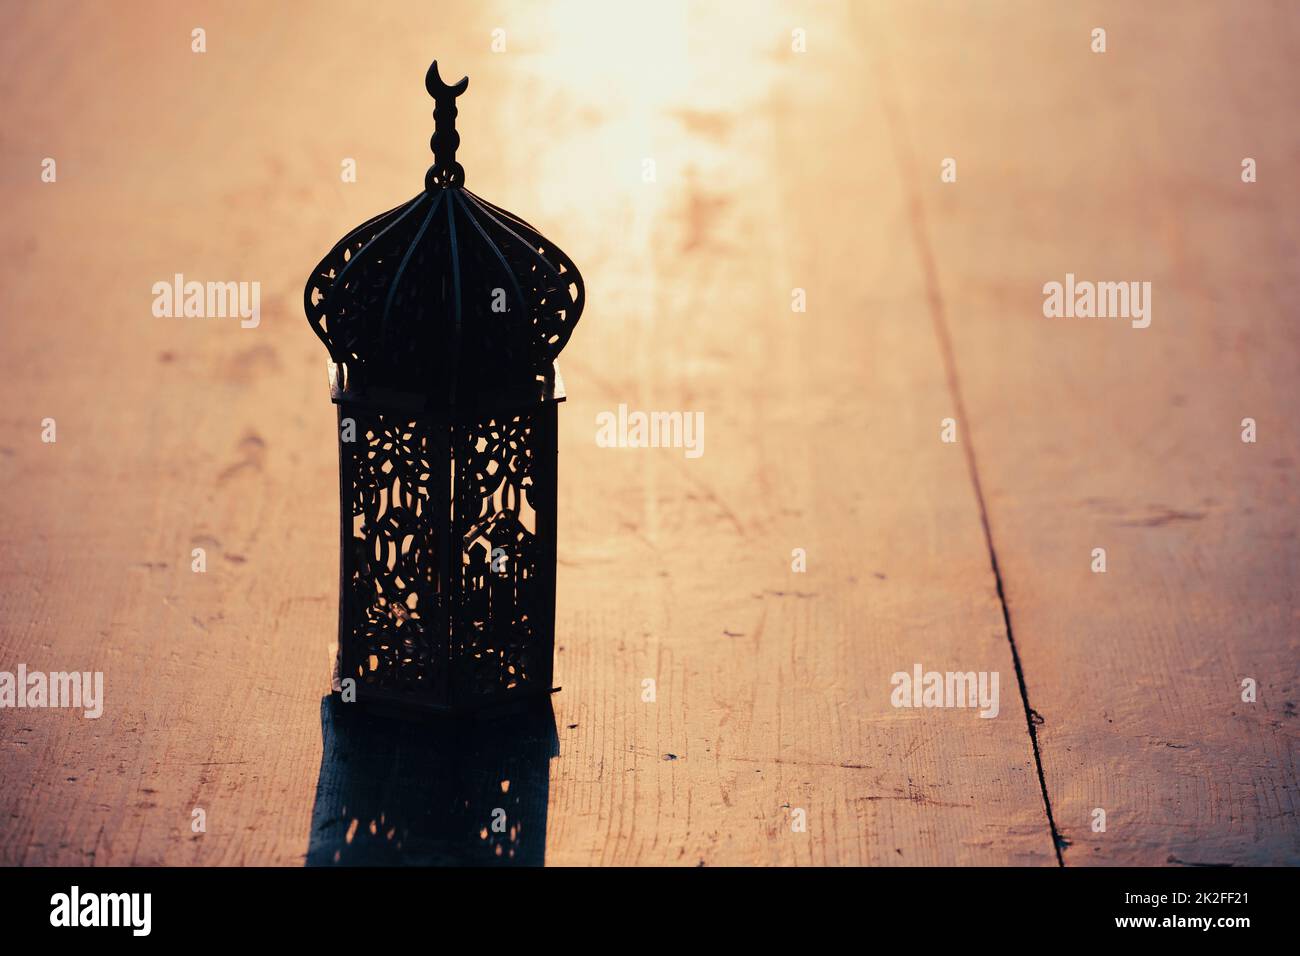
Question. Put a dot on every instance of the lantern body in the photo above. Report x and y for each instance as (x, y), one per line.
(447, 552)
(443, 318)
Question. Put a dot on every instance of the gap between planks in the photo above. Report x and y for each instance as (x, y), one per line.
(916, 217)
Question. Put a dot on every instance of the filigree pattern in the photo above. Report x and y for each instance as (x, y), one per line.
(447, 295)
(448, 559)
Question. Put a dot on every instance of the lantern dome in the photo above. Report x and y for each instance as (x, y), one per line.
(446, 298)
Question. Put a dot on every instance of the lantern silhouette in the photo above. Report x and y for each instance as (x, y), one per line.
(443, 318)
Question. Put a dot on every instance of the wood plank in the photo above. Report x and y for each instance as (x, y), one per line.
(822, 433)
(1092, 433)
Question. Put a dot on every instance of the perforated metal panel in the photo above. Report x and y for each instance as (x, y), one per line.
(448, 555)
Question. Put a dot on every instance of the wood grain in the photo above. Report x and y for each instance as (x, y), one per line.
(774, 171)
(1092, 433)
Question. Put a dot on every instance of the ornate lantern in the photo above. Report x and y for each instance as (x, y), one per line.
(443, 318)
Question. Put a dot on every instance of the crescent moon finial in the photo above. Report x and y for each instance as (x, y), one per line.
(440, 90)
(445, 171)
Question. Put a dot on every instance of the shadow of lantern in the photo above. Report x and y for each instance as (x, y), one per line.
(460, 792)
(444, 318)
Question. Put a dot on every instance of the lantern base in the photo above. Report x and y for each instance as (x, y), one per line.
(408, 709)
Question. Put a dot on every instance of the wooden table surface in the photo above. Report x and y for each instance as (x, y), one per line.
(774, 170)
